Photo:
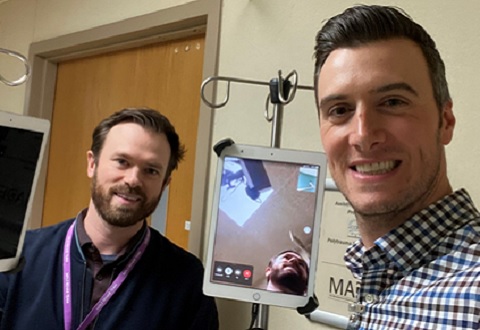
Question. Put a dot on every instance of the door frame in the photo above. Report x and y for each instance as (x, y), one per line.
(198, 17)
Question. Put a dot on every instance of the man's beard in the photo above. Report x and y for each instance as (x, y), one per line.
(121, 216)
(291, 281)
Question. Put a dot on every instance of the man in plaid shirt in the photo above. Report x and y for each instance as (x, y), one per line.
(385, 118)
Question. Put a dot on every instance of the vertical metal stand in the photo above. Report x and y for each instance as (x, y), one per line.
(261, 322)
(277, 121)
(279, 96)
(282, 91)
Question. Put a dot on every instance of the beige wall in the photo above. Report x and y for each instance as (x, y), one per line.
(259, 37)
(25, 21)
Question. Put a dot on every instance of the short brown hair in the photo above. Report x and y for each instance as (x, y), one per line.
(362, 24)
(147, 118)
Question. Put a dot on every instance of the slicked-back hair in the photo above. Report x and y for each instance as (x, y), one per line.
(360, 25)
(149, 119)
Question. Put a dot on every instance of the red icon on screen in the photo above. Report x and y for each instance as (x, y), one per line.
(247, 273)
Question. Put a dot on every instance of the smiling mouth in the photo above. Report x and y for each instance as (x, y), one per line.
(377, 167)
(130, 198)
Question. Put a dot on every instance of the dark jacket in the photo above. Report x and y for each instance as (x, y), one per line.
(163, 291)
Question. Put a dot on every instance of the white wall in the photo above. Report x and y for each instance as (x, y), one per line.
(259, 37)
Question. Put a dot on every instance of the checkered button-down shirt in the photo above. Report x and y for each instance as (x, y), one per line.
(424, 274)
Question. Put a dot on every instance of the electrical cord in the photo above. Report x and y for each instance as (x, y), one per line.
(255, 308)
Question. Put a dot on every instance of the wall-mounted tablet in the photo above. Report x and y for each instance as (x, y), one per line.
(265, 225)
(22, 144)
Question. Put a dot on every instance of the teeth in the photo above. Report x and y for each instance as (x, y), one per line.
(129, 198)
(376, 168)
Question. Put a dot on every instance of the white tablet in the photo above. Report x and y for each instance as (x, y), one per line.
(22, 145)
(265, 225)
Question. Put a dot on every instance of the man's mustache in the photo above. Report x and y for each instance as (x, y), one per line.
(125, 189)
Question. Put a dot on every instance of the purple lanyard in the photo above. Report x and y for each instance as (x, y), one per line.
(67, 286)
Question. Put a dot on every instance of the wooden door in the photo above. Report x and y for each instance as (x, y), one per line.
(166, 77)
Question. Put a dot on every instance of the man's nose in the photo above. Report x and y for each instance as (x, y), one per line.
(132, 177)
(291, 257)
(367, 130)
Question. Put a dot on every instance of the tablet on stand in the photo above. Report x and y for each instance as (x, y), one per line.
(22, 146)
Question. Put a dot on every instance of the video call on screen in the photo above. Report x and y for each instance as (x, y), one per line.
(265, 207)
(19, 152)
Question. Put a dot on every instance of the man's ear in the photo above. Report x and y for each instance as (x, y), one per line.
(448, 123)
(90, 164)
(268, 271)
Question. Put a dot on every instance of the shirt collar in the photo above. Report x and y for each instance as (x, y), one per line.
(425, 230)
(84, 241)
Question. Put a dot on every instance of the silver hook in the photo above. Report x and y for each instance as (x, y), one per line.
(210, 104)
(281, 96)
(266, 113)
(22, 58)
(228, 80)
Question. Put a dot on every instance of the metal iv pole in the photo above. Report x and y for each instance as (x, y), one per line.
(279, 88)
(279, 96)
(282, 92)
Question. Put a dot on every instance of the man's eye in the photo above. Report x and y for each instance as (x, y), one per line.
(338, 111)
(394, 102)
(153, 171)
(121, 162)
(338, 114)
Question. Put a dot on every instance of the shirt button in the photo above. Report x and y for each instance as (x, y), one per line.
(369, 298)
(99, 277)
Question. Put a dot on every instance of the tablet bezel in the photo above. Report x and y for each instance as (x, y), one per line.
(16, 121)
(254, 295)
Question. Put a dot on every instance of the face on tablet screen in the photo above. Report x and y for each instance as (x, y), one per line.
(264, 228)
